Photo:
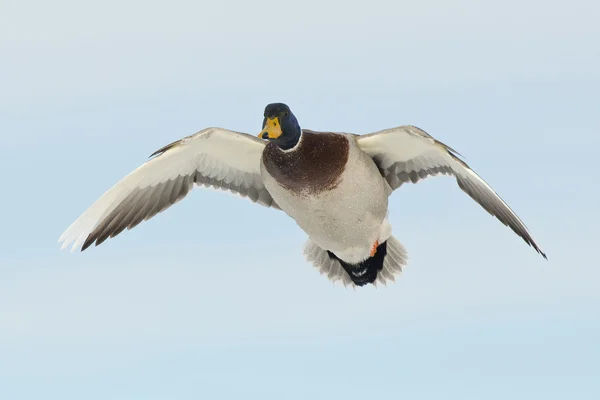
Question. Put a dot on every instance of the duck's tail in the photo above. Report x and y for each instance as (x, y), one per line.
(388, 260)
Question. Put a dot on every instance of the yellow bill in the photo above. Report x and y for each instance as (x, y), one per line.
(272, 129)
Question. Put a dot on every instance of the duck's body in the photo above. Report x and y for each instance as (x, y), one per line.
(334, 185)
(328, 185)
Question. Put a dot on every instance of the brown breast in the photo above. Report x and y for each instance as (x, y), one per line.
(314, 166)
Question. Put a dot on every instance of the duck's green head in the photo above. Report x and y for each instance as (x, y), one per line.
(280, 126)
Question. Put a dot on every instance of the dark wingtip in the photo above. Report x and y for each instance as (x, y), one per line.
(535, 246)
(88, 242)
(165, 149)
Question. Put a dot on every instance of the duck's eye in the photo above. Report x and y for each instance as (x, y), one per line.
(285, 114)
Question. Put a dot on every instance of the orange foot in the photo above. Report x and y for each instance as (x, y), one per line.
(374, 248)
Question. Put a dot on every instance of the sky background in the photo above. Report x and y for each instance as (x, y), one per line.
(213, 298)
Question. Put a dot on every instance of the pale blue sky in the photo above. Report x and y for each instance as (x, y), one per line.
(87, 92)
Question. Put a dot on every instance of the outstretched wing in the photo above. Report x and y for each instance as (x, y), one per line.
(213, 157)
(408, 154)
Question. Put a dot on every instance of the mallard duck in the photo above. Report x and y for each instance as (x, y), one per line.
(334, 185)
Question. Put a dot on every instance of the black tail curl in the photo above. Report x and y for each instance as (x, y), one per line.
(366, 271)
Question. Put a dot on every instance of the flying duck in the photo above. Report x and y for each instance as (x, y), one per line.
(334, 185)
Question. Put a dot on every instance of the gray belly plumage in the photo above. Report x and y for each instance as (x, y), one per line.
(344, 219)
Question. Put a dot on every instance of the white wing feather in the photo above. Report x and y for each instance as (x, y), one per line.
(212, 157)
(408, 154)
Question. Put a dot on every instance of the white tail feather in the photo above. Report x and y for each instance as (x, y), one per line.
(393, 263)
